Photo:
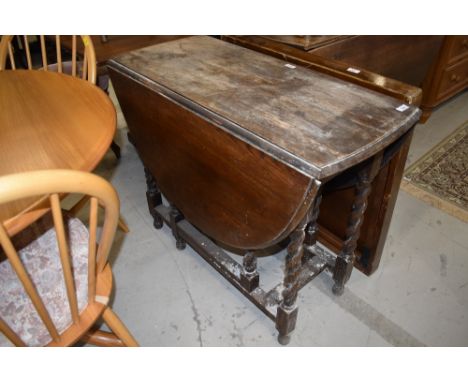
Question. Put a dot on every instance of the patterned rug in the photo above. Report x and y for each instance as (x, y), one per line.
(440, 177)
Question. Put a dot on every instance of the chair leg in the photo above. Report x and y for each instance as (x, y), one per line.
(118, 327)
(100, 338)
(123, 226)
(115, 149)
(80, 205)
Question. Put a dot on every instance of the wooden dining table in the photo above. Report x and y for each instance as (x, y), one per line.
(242, 146)
(49, 120)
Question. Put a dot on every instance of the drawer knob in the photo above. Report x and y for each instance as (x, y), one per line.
(455, 78)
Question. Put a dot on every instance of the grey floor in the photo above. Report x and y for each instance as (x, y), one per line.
(417, 297)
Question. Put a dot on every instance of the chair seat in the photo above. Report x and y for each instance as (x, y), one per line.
(39, 253)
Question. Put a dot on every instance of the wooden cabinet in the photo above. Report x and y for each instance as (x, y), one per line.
(437, 64)
(403, 58)
(448, 75)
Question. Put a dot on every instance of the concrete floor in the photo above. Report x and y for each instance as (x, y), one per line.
(417, 297)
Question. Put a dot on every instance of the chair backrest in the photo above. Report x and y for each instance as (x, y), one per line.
(86, 69)
(52, 184)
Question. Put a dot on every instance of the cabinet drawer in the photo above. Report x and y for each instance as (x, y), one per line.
(459, 49)
(453, 79)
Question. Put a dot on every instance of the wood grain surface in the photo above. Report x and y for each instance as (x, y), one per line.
(306, 42)
(51, 121)
(231, 191)
(356, 75)
(316, 124)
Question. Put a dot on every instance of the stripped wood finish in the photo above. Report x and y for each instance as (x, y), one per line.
(362, 77)
(337, 203)
(310, 121)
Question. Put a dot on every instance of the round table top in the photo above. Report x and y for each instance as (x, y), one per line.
(50, 120)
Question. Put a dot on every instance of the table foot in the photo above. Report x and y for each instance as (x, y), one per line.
(153, 198)
(158, 223)
(337, 289)
(175, 217)
(181, 245)
(284, 340)
(285, 323)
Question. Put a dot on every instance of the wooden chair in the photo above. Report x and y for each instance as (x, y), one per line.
(86, 68)
(56, 281)
(13, 46)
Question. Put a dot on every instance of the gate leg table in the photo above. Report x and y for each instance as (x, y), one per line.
(243, 146)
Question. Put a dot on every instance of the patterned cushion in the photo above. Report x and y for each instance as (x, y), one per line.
(38, 249)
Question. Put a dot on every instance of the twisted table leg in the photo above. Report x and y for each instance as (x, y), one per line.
(345, 260)
(154, 198)
(287, 311)
(311, 230)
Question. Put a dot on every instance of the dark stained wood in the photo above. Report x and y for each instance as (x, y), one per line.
(377, 228)
(249, 278)
(311, 231)
(312, 122)
(363, 77)
(403, 58)
(345, 260)
(305, 42)
(393, 65)
(287, 310)
(175, 217)
(269, 302)
(243, 146)
(217, 181)
(448, 75)
(336, 203)
(381, 202)
(153, 197)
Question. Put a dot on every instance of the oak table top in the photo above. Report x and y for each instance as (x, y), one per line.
(50, 121)
(312, 122)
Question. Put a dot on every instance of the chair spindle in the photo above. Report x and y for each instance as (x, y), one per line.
(12, 57)
(59, 53)
(74, 56)
(28, 53)
(85, 65)
(64, 256)
(44, 53)
(93, 218)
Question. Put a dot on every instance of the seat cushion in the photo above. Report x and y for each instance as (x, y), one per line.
(38, 249)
